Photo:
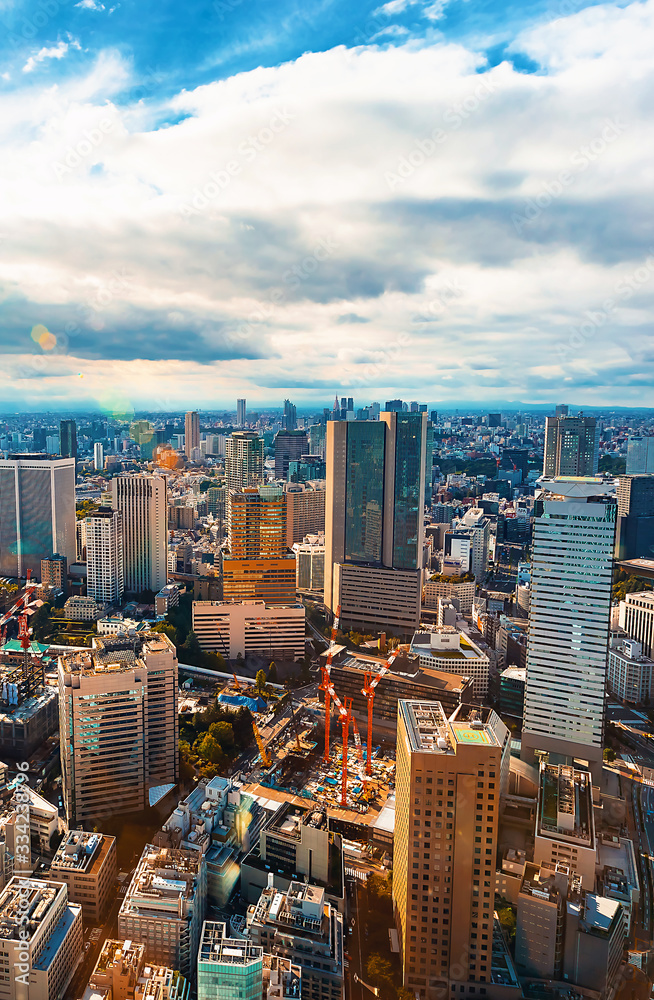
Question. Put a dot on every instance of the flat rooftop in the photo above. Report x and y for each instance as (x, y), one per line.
(565, 806)
(26, 897)
(221, 950)
(430, 731)
(115, 653)
(82, 852)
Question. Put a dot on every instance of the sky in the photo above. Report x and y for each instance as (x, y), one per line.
(432, 199)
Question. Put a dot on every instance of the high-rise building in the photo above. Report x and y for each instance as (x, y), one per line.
(468, 541)
(305, 509)
(68, 439)
(98, 456)
(561, 410)
(104, 556)
(640, 455)
(289, 422)
(142, 501)
(243, 460)
(118, 725)
(636, 618)
(229, 968)
(444, 869)
(634, 537)
(164, 906)
(257, 564)
(250, 628)
(290, 445)
(54, 572)
(241, 412)
(571, 577)
(41, 938)
(37, 512)
(374, 519)
(86, 862)
(191, 433)
(571, 446)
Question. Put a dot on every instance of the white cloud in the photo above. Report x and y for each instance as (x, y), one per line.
(91, 5)
(471, 270)
(57, 51)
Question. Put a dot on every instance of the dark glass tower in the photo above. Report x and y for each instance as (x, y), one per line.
(68, 439)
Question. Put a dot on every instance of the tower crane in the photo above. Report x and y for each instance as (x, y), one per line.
(368, 690)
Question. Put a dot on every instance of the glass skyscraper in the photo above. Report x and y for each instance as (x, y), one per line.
(364, 491)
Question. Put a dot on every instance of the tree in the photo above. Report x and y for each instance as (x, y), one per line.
(191, 649)
(223, 733)
(167, 629)
(609, 754)
(209, 749)
(272, 673)
(213, 661)
(260, 682)
(379, 972)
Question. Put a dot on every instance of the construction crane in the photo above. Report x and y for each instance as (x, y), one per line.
(294, 724)
(265, 759)
(236, 681)
(22, 602)
(345, 718)
(326, 683)
(368, 690)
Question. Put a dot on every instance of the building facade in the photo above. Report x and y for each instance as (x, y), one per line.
(86, 862)
(636, 618)
(142, 502)
(104, 556)
(250, 628)
(305, 510)
(630, 675)
(243, 460)
(571, 446)
(229, 968)
(191, 434)
(290, 445)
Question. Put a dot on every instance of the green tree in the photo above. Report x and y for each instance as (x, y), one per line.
(272, 673)
(40, 622)
(191, 649)
(379, 973)
(260, 682)
(609, 754)
(167, 629)
(213, 661)
(223, 733)
(209, 749)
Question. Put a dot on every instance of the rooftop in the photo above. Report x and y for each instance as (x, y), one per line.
(115, 653)
(82, 852)
(565, 804)
(430, 731)
(24, 904)
(216, 948)
(164, 875)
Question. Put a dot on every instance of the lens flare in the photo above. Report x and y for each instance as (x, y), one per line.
(46, 340)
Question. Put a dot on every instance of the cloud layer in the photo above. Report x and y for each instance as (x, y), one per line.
(414, 217)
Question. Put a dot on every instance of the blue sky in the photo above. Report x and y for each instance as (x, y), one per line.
(441, 199)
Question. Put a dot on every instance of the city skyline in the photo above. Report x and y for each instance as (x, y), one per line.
(488, 201)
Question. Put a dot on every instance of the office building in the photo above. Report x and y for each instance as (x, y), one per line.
(243, 460)
(594, 943)
(164, 907)
(445, 648)
(307, 468)
(68, 439)
(121, 973)
(374, 520)
(37, 512)
(229, 968)
(104, 557)
(444, 868)
(289, 421)
(118, 725)
(54, 572)
(41, 939)
(86, 862)
(630, 674)
(142, 501)
(636, 618)
(571, 446)
(571, 578)
(257, 564)
(290, 445)
(240, 412)
(459, 588)
(305, 510)
(98, 456)
(191, 435)
(167, 598)
(217, 502)
(310, 562)
(301, 926)
(634, 537)
(539, 940)
(250, 627)
(561, 410)
(468, 542)
(640, 455)
(565, 823)
(513, 681)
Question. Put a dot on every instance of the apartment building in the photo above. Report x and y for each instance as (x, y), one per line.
(565, 824)
(636, 618)
(86, 862)
(250, 627)
(305, 510)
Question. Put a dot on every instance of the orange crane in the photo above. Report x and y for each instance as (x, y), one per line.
(22, 601)
(326, 684)
(368, 689)
(238, 686)
(265, 759)
(345, 719)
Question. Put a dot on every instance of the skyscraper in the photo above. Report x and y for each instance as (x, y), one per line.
(634, 536)
(571, 577)
(290, 445)
(142, 502)
(444, 869)
(37, 512)
(104, 556)
(68, 439)
(374, 519)
(289, 422)
(257, 564)
(243, 460)
(98, 456)
(240, 412)
(571, 446)
(640, 455)
(118, 725)
(191, 433)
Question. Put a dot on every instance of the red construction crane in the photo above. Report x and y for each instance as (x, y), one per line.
(326, 684)
(368, 689)
(345, 719)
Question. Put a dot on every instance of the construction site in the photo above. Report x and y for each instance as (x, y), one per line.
(319, 754)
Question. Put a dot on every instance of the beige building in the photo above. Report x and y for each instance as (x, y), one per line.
(191, 434)
(118, 725)
(305, 509)
(54, 572)
(142, 501)
(446, 820)
(374, 595)
(541, 919)
(243, 460)
(565, 824)
(40, 939)
(86, 862)
(43, 816)
(636, 618)
(444, 647)
(83, 609)
(121, 973)
(462, 590)
(310, 561)
(250, 627)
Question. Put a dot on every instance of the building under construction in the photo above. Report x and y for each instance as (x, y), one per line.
(28, 709)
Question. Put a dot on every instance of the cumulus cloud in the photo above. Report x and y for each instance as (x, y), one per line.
(369, 218)
(57, 51)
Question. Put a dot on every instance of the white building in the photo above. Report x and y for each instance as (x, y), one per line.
(565, 824)
(250, 627)
(571, 577)
(40, 939)
(636, 618)
(98, 456)
(82, 609)
(468, 541)
(104, 557)
(142, 502)
(310, 562)
(630, 673)
(445, 648)
(37, 512)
